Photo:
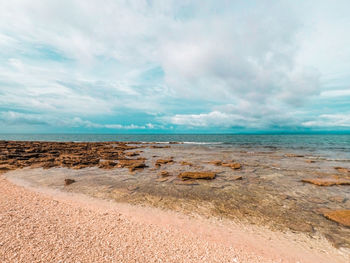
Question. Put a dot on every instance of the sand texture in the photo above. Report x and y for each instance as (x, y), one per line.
(51, 226)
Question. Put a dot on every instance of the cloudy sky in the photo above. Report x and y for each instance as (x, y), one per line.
(174, 66)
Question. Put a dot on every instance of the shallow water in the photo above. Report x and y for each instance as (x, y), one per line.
(270, 193)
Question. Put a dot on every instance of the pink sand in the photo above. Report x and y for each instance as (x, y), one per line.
(41, 225)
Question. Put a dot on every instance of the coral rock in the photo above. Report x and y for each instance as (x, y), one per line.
(232, 165)
(327, 181)
(107, 164)
(339, 216)
(131, 164)
(164, 161)
(197, 175)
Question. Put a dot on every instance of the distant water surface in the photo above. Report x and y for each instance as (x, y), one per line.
(330, 146)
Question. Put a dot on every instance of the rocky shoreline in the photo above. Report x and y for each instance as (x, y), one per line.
(284, 191)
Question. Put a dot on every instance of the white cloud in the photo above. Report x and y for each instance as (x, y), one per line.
(336, 93)
(230, 116)
(249, 57)
(330, 120)
(119, 126)
(212, 119)
(258, 64)
(16, 118)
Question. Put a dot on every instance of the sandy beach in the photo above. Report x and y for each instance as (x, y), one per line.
(134, 203)
(51, 226)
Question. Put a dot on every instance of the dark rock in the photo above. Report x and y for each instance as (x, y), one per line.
(293, 155)
(68, 181)
(159, 146)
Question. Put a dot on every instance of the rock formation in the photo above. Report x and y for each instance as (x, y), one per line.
(197, 175)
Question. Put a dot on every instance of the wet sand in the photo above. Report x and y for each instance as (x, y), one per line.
(261, 192)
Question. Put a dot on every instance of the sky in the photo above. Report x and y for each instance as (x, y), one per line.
(170, 66)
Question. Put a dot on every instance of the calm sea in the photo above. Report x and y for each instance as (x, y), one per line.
(331, 146)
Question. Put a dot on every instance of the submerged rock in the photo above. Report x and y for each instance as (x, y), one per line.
(342, 170)
(302, 227)
(162, 179)
(216, 162)
(68, 181)
(159, 162)
(107, 164)
(293, 155)
(233, 165)
(164, 173)
(130, 154)
(310, 161)
(132, 164)
(237, 177)
(339, 216)
(197, 175)
(159, 146)
(327, 181)
(337, 198)
(132, 188)
(186, 163)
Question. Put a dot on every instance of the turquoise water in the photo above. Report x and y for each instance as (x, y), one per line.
(333, 146)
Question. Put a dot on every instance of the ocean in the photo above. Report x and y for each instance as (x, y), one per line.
(330, 146)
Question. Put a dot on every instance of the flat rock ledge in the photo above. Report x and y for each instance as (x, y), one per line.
(339, 216)
(327, 181)
(197, 175)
